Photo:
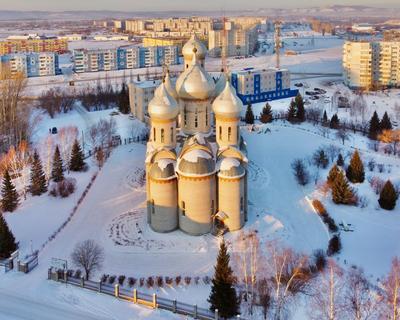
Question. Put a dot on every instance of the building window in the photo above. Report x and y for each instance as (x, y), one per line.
(183, 208)
(154, 134)
(220, 133)
(229, 133)
(162, 135)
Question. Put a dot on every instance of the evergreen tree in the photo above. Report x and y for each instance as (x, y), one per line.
(266, 114)
(7, 240)
(300, 111)
(76, 162)
(249, 117)
(374, 126)
(355, 171)
(341, 191)
(385, 123)
(38, 179)
(334, 124)
(388, 196)
(123, 100)
(57, 173)
(325, 119)
(9, 195)
(333, 173)
(291, 113)
(223, 294)
(340, 160)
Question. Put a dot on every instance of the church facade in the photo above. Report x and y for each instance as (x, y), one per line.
(196, 163)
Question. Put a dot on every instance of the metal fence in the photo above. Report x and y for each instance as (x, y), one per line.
(145, 299)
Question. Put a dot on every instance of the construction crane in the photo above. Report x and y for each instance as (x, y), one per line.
(278, 44)
(224, 49)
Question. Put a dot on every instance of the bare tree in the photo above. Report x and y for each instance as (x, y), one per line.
(342, 135)
(332, 151)
(264, 296)
(391, 292)
(88, 255)
(392, 137)
(101, 133)
(361, 302)
(300, 172)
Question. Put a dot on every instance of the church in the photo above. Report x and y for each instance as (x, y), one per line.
(196, 163)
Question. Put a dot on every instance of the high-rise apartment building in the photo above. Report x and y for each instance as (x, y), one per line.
(33, 45)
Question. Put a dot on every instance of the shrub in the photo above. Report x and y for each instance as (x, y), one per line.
(104, 278)
(121, 280)
(63, 188)
(131, 281)
(169, 281)
(300, 172)
(178, 280)
(70, 273)
(335, 245)
(371, 165)
(188, 280)
(319, 259)
(78, 274)
(319, 207)
(206, 280)
(196, 280)
(150, 282)
(141, 282)
(160, 281)
(376, 184)
(111, 279)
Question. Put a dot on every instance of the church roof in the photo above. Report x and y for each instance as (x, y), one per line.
(230, 168)
(197, 162)
(169, 86)
(163, 169)
(163, 105)
(194, 43)
(227, 104)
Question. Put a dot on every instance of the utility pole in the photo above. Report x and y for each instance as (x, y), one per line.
(278, 44)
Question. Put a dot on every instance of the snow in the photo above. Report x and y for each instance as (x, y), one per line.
(229, 163)
(163, 163)
(194, 155)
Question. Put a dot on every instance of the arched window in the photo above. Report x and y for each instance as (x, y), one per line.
(184, 116)
(212, 207)
(183, 208)
(154, 134)
(206, 117)
(153, 209)
(172, 134)
(196, 120)
(162, 135)
(220, 132)
(229, 133)
(241, 204)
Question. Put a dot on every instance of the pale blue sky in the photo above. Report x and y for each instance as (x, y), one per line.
(187, 5)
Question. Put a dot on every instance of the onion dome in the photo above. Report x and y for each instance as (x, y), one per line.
(170, 87)
(196, 162)
(163, 105)
(163, 169)
(231, 168)
(195, 83)
(194, 43)
(220, 84)
(227, 104)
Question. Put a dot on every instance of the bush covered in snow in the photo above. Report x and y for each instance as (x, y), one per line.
(63, 188)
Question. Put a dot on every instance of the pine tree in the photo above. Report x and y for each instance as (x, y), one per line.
(325, 119)
(374, 126)
(385, 123)
(340, 160)
(223, 294)
(38, 179)
(7, 240)
(388, 197)
(333, 173)
(76, 162)
(266, 114)
(300, 112)
(57, 173)
(123, 100)
(355, 171)
(291, 113)
(334, 124)
(249, 117)
(9, 195)
(341, 191)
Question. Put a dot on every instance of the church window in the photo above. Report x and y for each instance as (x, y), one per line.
(241, 204)
(153, 211)
(196, 118)
(212, 206)
(229, 133)
(162, 135)
(183, 208)
(206, 117)
(172, 134)
(154, 134)
(184, 116)
(220, 132)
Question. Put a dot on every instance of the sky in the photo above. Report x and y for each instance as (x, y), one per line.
(185, 5)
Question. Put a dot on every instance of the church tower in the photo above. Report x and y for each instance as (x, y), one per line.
(187, 51)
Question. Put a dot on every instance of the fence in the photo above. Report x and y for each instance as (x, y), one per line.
(28, 265)
(145, 299)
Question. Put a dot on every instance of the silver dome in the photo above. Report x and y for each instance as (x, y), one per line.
(196, 162)
(163, 169)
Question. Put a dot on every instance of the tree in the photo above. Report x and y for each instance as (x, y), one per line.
(320, 159)
(300, 172)
(223, 294)
(341, 191)
(38, 179)
(7, 240)
(9, 195)
(249, 117)
(332, 175)
(334, 124)
(264, 296)
(325, 119)
(340, 160)
(391, 136)
(89, 256)
(300, 112)
(342, 135)
(76, 162)
(57, 172)
(123, 99)
(355, 171)
(266, 114)
(388, 197)
(374, 126)
(385, 123)
(391, 292)
(291, 113)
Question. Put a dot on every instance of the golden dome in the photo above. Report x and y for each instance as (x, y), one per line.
(195, 82)
(227, 104)
(170, 87)
(194, 43)
(163, 105)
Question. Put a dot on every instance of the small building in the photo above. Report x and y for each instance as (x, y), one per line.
(259, 85)
(140, 94)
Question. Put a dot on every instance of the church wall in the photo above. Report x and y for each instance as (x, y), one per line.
(231, 201)
(163, 133)
(197, 198)
(188, 112)
(227, 132)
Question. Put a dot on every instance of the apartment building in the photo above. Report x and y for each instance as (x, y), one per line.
(368, 65)
(125, 57)
(140, 94)
(32, 64)
(259, 85)
(33, 45)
